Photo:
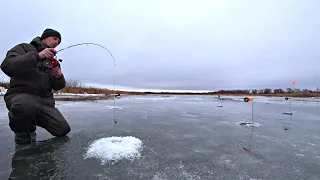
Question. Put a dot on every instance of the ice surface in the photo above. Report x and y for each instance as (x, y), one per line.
(113, 149)
(184, 137)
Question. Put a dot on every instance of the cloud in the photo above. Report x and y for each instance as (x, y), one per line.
(178, 44)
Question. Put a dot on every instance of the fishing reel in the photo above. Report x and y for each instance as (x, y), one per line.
(48, 65)
(54, 63)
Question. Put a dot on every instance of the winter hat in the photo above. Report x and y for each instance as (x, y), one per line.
(50, 32)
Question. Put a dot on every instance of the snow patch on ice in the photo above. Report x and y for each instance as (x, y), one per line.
(159, 176)
(113, 149)
(249, 124)
(312, 144)
(113, 107)
(77, 94)
(301, 155)
(2, 91)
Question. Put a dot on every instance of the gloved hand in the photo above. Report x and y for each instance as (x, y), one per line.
(47, 53)
(56, 72)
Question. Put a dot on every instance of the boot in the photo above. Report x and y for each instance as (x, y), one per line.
(33, 133)
(33, 128)
(22, 138)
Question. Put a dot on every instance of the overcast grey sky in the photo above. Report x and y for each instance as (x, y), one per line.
(171, 44)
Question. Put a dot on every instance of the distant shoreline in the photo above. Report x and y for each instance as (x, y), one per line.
(76, 88)
(301, 95)
(111, 95)
(93, 97)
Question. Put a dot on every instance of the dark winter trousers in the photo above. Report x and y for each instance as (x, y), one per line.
(26, 110)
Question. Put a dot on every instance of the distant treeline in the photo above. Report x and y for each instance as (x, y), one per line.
(256, 92)
(268, 91)
(74, 86)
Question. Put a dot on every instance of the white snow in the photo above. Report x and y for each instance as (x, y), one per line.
(112, 107)
(2, 91)
(75, 94)
(113, 149)
(312, 144)
(249, 124)
(131, 89)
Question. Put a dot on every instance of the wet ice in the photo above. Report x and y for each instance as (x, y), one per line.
(173, 137)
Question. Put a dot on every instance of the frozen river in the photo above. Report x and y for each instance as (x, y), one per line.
(172, 137)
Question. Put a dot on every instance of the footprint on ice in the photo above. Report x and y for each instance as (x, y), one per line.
(113, 149)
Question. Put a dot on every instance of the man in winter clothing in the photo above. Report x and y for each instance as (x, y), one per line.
(29, 97)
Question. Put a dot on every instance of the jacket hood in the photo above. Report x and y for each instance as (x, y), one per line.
(36, 42)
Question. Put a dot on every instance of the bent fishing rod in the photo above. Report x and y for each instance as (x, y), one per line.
(114, 61)
(54, 62)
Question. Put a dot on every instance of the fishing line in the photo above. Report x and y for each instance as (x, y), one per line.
(318, 104)
(251, 127)
(287, 125)
(114, 61)
(114, 101)
(220, 100)
(114, 64)
(250, 99)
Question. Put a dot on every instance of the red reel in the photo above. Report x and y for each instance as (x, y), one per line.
(54, 63)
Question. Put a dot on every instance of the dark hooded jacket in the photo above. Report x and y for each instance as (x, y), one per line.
(28, 73)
